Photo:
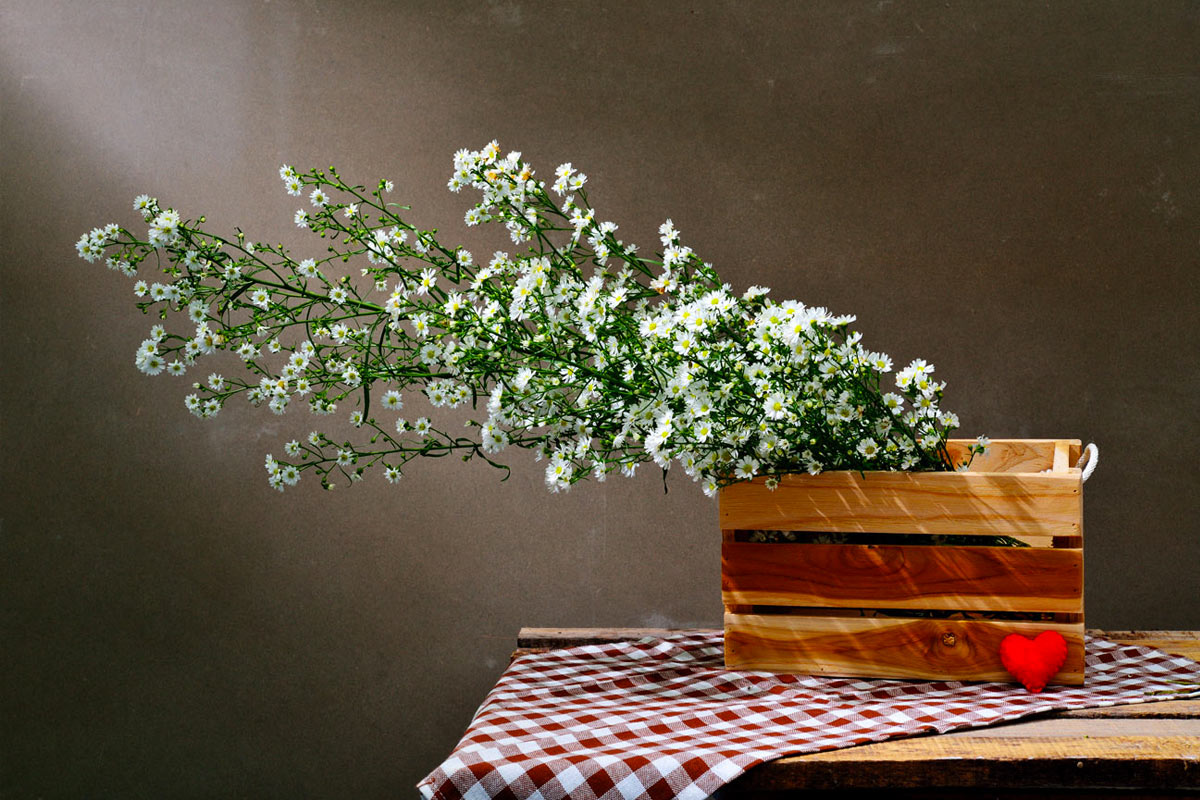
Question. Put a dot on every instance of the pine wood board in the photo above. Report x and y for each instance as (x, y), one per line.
(1015, 455)
(1181, 643)
(954, 760)
(903, 576)
(949, 503)
(886, 647)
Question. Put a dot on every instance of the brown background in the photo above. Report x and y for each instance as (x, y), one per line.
(1009, 190)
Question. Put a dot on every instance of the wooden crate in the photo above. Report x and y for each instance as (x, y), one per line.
(907, 610)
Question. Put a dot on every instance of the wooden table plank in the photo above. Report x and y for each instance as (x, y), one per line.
(1120, 748)
(948, 762)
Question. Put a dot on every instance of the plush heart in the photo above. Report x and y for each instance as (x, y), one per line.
(1033, 661)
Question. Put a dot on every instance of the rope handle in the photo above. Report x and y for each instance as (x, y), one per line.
(1088, 460)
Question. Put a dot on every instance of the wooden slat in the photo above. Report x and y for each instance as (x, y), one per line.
(554, 638)
(1062, 456)
(1009, 455)
(1182, 643)
(1157, 709)
(899, 576)
(881, 647)
(1026, 539)
(998, 756)
(953, 503)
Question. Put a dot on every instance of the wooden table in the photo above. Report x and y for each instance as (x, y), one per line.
(1145, 751)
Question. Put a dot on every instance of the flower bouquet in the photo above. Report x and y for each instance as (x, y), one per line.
(574, 345)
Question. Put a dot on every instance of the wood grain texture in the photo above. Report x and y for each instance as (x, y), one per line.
(1183, 643)
(881, 647)
(1158, 709)
(952, 503)
(991, 759)
(1011, 455)
(1062, 456)
(899, 576)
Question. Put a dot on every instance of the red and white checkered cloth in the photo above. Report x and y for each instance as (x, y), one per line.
(661, 717)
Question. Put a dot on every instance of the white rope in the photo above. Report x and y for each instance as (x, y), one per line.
(1089, 460)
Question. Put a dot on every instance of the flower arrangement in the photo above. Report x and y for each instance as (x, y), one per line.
(578, 347)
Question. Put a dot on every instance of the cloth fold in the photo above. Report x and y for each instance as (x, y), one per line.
(662, 718)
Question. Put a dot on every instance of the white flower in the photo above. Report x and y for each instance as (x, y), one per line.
(301, 218)
(454, 304)
(422, 426)
(667, 233)
(437, 394)
(151, 363)
(392, 400)
(318, 198)
(559, 473)
(920, 367)
(746, 468)
(869, 448)
(674, 255)
(145, 205)
(428, 281)
(261, 298)
(775, 406)
(493, 439)
(430, 353)
(563, 173)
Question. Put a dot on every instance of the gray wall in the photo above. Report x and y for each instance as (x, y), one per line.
(1009, 190)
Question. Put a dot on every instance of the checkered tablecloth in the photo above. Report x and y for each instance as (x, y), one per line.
(661, 718)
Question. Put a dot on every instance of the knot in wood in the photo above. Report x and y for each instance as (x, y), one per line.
(949, 639)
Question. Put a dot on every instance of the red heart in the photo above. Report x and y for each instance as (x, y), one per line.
(1033, 661)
